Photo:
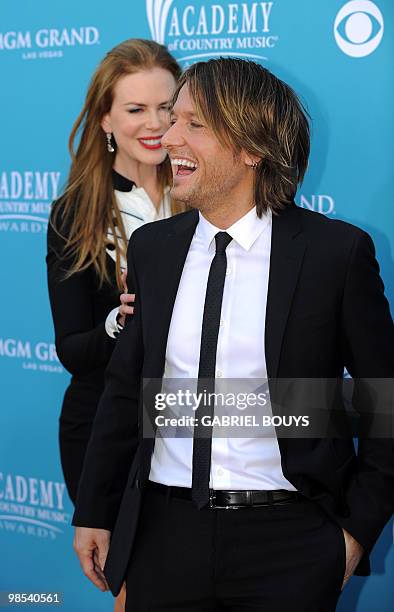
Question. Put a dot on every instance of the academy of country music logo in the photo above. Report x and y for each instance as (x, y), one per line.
(32, 506)
(321, 203)
(25, 200)
(34, 356)
(196, 33)
(48, 43)
(358, 28)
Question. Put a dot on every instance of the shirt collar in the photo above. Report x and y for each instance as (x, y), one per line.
(121, 183)
(245, 231)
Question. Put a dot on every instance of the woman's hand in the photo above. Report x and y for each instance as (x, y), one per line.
(125, 300)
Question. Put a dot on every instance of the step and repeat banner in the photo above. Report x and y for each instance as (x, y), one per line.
(337, 55)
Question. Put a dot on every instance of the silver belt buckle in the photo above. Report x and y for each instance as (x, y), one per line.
(212, 498)
(213, 505)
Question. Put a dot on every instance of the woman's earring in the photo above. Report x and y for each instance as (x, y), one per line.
(110, 148)
(254, 165)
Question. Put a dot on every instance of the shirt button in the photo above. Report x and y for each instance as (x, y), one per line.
(219, 373)
(219, 472)
(228, 271)
(221, 322)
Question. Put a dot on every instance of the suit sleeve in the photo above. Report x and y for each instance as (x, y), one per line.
(81, 344)
(368, 334)
(114, 438)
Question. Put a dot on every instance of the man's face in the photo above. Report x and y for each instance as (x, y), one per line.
(205, 173)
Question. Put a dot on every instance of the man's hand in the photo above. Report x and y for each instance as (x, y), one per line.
(354, 552)
(91, 546)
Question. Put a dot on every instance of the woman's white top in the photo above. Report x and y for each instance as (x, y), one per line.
(136, 209)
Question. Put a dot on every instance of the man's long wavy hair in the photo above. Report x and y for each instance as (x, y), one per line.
(249, 108)
(88, 205)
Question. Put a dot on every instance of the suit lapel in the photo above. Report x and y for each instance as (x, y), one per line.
(172, 256)
(287, 252)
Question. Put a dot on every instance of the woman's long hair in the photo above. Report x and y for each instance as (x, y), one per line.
(88, 206)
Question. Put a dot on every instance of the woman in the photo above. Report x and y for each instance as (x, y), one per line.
(118, 181)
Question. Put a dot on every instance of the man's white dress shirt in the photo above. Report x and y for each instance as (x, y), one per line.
(236, 463)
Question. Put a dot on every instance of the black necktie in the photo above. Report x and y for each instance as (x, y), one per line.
(202, 436)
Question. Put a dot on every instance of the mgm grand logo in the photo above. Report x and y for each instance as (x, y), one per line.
(197, 32)
(38, 356)
(48, 43)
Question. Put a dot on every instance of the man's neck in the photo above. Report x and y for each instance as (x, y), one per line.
(225, 218)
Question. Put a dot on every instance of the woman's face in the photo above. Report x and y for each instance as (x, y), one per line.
(139, 116)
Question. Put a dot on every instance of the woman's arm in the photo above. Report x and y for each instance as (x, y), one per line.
(81, 344)
(115, 321)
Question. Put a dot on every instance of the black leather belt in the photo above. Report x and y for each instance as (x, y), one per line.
(226, 500)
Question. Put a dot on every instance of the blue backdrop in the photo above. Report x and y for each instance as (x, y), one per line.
(336, 54)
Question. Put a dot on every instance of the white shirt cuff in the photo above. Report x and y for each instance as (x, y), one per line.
(111, 325)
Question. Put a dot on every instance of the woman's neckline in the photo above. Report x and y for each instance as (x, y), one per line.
(120, 182)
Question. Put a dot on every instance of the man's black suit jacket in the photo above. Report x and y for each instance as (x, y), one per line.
(326, 310)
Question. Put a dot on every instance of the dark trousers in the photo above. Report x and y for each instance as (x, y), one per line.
(273, 559)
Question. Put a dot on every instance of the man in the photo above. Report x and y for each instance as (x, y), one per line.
(248, 286)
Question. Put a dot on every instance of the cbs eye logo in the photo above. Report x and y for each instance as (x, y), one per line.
(358, 28)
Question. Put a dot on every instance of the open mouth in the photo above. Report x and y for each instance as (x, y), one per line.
(183, 167)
